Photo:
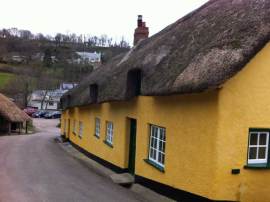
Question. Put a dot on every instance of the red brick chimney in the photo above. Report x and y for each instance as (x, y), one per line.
(141, 32)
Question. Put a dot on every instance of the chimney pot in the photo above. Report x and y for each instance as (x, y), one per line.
(139, 21)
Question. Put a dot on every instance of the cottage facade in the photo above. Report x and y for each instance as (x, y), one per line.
(190, 118)
(11, 117)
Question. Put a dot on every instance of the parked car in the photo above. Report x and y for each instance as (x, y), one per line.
(39, 114)
(30, 110)
(53, 115)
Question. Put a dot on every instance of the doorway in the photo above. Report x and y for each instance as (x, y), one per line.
(132, 145)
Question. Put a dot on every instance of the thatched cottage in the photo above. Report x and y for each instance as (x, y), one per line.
(12, 118)
(186, 110)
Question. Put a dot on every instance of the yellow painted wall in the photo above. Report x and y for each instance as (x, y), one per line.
(191, 128)
(206, 135)
(244, 102)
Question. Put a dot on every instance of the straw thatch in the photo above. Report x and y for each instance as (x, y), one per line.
(10, 112)
(198, 52)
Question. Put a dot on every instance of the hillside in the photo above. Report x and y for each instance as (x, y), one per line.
(5, 78)
(62, 47)
(31, 62)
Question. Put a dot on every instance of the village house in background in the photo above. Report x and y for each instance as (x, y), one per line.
(67, 86)
(49, 99)
(14, 58)
(88, 58)
(12, 118)
(186, 111)
(20, 58)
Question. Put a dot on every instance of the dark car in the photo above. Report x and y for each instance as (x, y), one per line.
(39, 114)
(53, 115)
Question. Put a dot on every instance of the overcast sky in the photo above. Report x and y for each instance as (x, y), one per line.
(115, 18)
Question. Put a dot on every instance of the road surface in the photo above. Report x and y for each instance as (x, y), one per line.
(33, 168)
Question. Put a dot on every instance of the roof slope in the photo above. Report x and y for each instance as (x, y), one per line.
(198, 52)
(10, 111)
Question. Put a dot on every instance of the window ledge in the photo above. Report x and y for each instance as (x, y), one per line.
(155, 165)
(257, 166)
(107, 143)
(98, 137)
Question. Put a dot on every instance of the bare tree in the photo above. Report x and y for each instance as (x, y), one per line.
(24, 87)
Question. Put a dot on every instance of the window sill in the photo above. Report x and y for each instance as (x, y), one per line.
(108, 144)
(98, 137)
(257, 166)
(161, 169)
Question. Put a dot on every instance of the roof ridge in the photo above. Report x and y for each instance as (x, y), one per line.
(200, 51)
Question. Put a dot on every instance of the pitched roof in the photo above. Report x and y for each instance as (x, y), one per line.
(10, 111)
(196, 53)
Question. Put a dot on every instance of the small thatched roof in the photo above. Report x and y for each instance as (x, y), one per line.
(196, 53)
(10, 111)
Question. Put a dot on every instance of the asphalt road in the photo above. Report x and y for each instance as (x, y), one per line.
(33, 168)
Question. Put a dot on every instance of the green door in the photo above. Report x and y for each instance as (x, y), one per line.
(132, 146)
(68, 129)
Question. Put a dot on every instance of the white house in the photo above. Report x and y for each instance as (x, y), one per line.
(49, 99)
(67, 86)
(88, 58)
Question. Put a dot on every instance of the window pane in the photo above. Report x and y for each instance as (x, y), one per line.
(152, 142)
(154, 154)
(156, 142)
(97, 126)
(151, 153)
(263, 138)
(252, 153)
(155, 132)
(160, 146)
(164, 147)
(253, 139)
(163, 159)
(159, 157)
(262, 152)
(162, 134)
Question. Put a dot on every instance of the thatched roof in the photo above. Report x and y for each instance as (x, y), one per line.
(10, 111)
(196, 53)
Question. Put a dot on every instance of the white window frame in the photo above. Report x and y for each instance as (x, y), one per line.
(257, 160)
(74, 127)
(155, 158)
(109, 132)
(80, 129)
(97, 127)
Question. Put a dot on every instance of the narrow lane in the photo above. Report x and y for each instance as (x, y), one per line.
(34, 168)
